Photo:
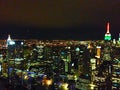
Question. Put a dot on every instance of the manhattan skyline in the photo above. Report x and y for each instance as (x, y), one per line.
(64, 19)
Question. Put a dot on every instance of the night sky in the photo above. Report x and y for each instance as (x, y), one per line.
(59, 19)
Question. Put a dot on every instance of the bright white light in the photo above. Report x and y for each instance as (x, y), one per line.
(72, 64)
(77, 49)
(98, 47)
(21, 43)
(11, 42)
(68, 47)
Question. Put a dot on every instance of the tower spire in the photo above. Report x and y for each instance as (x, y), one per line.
(108, 34)
(108, 27)
(9, 38)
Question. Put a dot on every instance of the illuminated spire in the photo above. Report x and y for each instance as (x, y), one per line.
(9, 38)
(108, 28)
(108, 34)
(9, 41)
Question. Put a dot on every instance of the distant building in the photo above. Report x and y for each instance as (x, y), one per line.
(108, 34)
(2, 44)
(107, 53)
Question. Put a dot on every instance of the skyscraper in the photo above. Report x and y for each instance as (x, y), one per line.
(108, 34)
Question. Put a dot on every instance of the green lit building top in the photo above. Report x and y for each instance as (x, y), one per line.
(107, 36)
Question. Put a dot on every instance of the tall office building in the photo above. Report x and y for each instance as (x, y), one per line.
(108, 34)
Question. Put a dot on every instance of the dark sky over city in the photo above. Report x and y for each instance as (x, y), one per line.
(59, 19)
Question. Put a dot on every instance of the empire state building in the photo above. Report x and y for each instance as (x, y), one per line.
(108, 34)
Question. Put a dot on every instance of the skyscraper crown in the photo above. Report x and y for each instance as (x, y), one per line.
(108, 34)
(108, 27)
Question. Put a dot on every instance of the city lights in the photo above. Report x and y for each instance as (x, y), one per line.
(65, 64)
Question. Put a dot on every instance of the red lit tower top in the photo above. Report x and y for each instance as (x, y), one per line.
(108, 27)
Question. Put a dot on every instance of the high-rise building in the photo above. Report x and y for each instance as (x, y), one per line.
(108, 34)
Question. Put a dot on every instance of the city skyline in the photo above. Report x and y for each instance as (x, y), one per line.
(69, 33)
(69, 19)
